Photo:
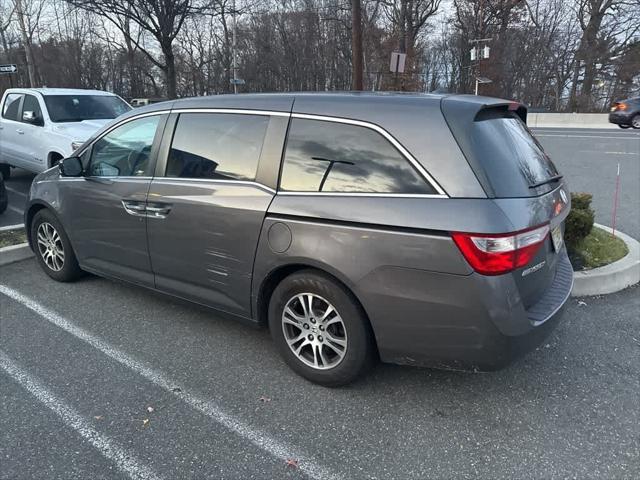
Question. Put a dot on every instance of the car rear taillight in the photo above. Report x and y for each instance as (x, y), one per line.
(500, 253)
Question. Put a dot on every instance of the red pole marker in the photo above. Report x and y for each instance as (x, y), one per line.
(615, 201)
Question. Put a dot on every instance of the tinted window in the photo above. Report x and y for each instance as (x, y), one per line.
(217, 146)
(336, 157)
(511, 157)
(31, 104)
(10, 109)
(126, 150)
(76, 108)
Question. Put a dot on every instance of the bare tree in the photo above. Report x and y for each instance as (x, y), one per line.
(28, 13)
(162, 19)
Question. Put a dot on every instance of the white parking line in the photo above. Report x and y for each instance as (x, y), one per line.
(17, 192)
(584, 136)
(122, 457)
(263, 440)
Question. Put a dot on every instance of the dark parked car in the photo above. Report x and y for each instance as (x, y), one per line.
(420, 229)
(4, 200)
(626, 113)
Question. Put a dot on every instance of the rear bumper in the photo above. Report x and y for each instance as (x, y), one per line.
(480, 324)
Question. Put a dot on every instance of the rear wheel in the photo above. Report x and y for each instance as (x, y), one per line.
(635, 121)
(320, 329)
(624, 126)
(53, 249)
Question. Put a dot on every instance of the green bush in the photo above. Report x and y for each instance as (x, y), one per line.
(580, 220)
(581, 201)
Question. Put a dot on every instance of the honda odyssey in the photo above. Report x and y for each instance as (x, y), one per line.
(418, 229)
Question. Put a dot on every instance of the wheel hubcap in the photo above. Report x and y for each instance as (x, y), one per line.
(636, 121)
(50, 246)
(314, 331)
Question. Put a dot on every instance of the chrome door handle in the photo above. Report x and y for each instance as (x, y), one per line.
(158, 211)
(137, 209)
(20, 132)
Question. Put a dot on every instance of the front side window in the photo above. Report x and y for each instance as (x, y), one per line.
(126, 150)
(11, 107)
(31, 104)
(76, 108)
(217, 146)
(326, 156)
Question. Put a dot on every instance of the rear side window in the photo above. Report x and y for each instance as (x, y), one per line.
(217, 146)
(513, 160)
(326, 156)
(11, 107)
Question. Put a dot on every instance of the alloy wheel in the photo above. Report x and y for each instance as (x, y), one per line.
(636, 121)
(314, 331)
(50, 246)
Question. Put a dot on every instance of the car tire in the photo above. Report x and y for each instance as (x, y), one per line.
(624, 126)
(5, 170)
(635, 121)
(342, 348)
(53, 249)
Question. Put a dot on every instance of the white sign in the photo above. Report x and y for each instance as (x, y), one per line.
(8, 68)
(397, 62)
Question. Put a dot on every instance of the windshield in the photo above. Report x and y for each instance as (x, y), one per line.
(513, 159)
(76, 108)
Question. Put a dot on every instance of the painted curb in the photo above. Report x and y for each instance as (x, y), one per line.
(613, 277)
(15, 253)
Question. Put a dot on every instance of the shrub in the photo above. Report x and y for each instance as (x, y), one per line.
(580, 220)
(581, 201)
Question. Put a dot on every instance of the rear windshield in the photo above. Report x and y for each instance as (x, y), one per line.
(76, 108)
(513, 160)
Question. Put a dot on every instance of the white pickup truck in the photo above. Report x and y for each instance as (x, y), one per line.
(40, 126)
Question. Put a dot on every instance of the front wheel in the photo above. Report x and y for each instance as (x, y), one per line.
(320, 329)
(635, 121)
(53, 249)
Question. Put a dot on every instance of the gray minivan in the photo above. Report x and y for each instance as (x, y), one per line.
(418, 229)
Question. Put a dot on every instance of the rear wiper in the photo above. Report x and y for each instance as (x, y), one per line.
(555, 178)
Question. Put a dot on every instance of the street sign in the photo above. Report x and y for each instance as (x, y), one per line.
(397, 62)
(8, 68)
(236, 81)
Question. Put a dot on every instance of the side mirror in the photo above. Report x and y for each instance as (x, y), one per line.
(30, 116)
(71, 167)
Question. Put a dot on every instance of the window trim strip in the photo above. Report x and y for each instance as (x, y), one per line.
(372, 126)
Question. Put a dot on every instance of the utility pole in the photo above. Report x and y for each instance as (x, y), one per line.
(233, 48)
(479, 53)
(356, 44)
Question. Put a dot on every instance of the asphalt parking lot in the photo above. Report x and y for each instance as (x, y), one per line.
(104, 380)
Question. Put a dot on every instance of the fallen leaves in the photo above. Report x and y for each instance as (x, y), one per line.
(292, 463)
(145, 422)
(264, 399)
(150, 409)
(98, 417)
